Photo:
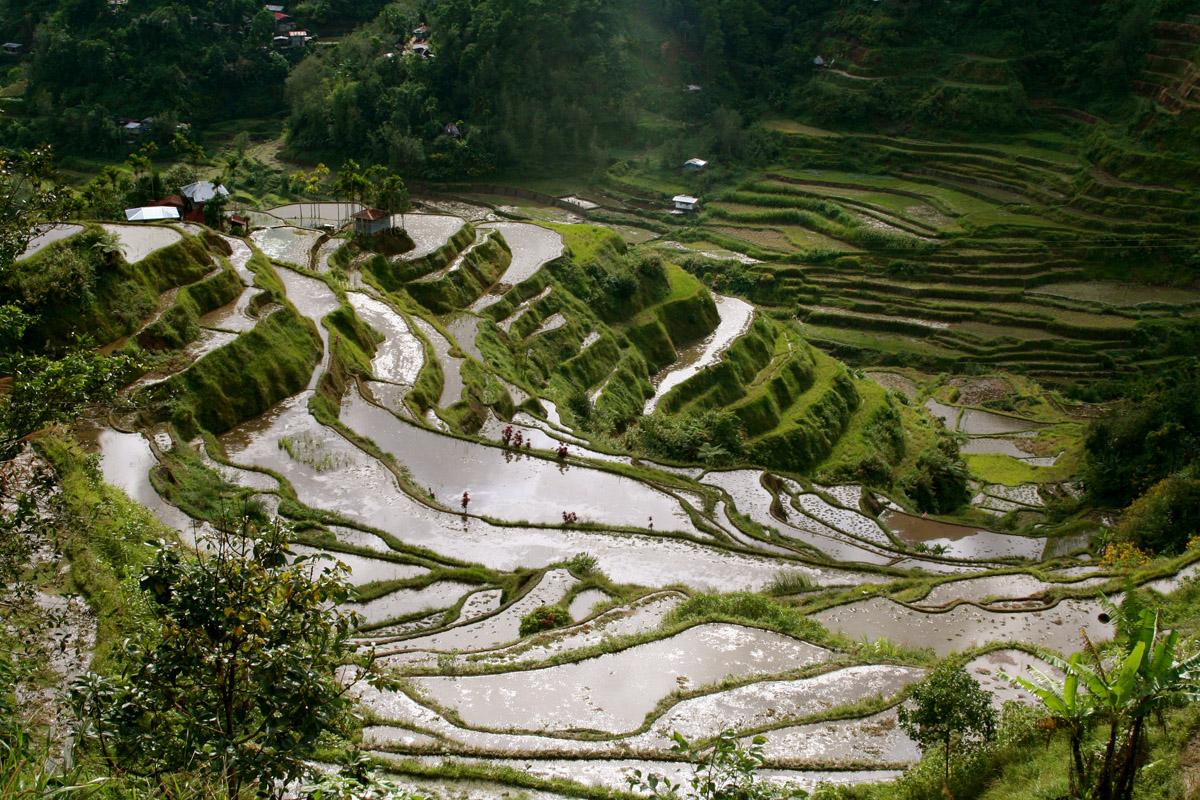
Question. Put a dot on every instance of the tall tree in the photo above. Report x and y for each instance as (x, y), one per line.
(949, 709)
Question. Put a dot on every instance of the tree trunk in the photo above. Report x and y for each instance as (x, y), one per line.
(1129, 768)
(1104, 781)
(1076, 777)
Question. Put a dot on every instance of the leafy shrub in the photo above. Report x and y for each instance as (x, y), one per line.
(544, 618)
(583, 564)
(1164, 518)
(711, 437)
(940, 481)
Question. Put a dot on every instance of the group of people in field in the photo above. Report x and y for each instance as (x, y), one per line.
(514, 438)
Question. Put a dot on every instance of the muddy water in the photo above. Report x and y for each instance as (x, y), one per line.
(363, 570)
(532, 246)
(753, 500)
(480, 604)
(465, 328)
(610, 773)
(400, 356)
(642, 615)
(947, 414)
(551, 323)
(492, 631)
(208, 341)
(1176, 581)
(258, 481)
(735, 315)
(428, 231)
(452, 382)
(315, 214)
(239, 258)
(993, 445)
(874, 739)
(125, 462)
(961, 541)
(402, 602)
(48, 235)
(541, 439)
(325, 252)
(535, 490)
(996, 587)
(455, 265)
(286, 245)
(139, 241)
(768, 702)
(989, 669)
(314, 300)
(610, 692)
(357, 538)
(362, 490)
(966, 626)
(582, 604)
(982, 423)
(390, 396)
(235, 316)
(847, 520)
(507, 323)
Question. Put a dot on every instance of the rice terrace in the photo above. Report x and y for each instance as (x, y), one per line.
(492, 399)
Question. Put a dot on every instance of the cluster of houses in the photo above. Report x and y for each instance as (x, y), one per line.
(187, 205)
(419, 43)
(287, 33)
(135, 129)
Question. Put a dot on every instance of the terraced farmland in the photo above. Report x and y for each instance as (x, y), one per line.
(382, 422)
(949, 256)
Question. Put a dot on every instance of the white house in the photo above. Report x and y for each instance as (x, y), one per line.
(201, 192)
(685, 204)
(151, 214)
(694, 164)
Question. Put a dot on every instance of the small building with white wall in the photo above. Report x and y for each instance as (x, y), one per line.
(685, 203)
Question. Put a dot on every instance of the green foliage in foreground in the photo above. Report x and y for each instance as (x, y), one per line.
(237, 678)
(1149, 676)
(949, 709)
(1166, 518)
(724, 770)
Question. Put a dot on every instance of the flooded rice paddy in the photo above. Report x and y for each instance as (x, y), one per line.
(735, 315)
(401, 354)
(961, 541)
(613, 692)
(287, 245)
(477, 689)
(966, 626)
(47, 235)
(139, 241)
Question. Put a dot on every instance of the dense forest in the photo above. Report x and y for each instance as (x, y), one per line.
(586, 71)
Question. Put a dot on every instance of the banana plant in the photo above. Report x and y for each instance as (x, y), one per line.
(1070, 709)
(1147, 679)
